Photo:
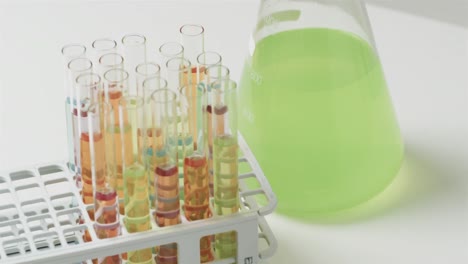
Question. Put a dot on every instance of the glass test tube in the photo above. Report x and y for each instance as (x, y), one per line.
(134, 50)
(100, 144)
(115, 86)
(225, 161)
(168, 51)
(167, 202)
(135, 173)
(69, 52)
(213, 73)
(87, 87)
(178, 73)
(193, 38)
(102, 46)
(76, 67)
(144, 71)
(196, 177)
(154, 155)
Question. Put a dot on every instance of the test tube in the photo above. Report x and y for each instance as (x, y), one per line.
(213, 73)
(168, 51)
(102, 46)
(154, 152)
(87, 87)
(76, 67)
(69, 52)
(144, 71)
(134, 50)
(178, 73)
(101, 160)
(166, 173)
(193, 38)
(196, 177)
(225, 161)
(135, 173)
(115, 86)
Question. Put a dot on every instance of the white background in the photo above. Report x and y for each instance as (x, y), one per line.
(421, 218)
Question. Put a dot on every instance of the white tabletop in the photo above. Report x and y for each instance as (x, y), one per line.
(421, 218)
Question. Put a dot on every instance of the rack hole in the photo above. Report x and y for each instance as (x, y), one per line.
(52, 169)
(8, 209)
(6, 235)
(22, 178)
(13, 226)
(69, 217)
(16, 247)
(28, 192)
(252, 187)
(34, 207)
(8, 212)
(46, 241)
(21, 175)
(64, 201)
(57, 186)
(244, 167)
(3, 183)
(77, 235)
(40, 224)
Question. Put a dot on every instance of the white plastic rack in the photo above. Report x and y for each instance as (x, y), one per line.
(40, 208)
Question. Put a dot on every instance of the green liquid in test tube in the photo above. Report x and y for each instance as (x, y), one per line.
(135, 174)
(225, 161)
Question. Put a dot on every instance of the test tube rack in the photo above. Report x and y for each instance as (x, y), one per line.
(40, 208)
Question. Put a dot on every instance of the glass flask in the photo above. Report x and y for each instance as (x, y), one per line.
(314, 106)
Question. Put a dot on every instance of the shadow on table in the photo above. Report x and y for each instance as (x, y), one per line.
(419, 179)
(450, 11)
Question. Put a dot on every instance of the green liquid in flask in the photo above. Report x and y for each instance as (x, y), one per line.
(316, 113)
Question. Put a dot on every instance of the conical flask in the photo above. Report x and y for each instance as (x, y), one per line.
(315, 109)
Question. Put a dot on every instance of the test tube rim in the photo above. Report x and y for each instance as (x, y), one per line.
(210, 64)
(167, 91)
(187, 64)
(124, 72)
(200, 27)
(172, 55)
(114, 44)
(122, 60)
(161, 80)
(132, 35)
(93, 84)
(225, 76)
(65, 47)
(158, 71)
(89, 63)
